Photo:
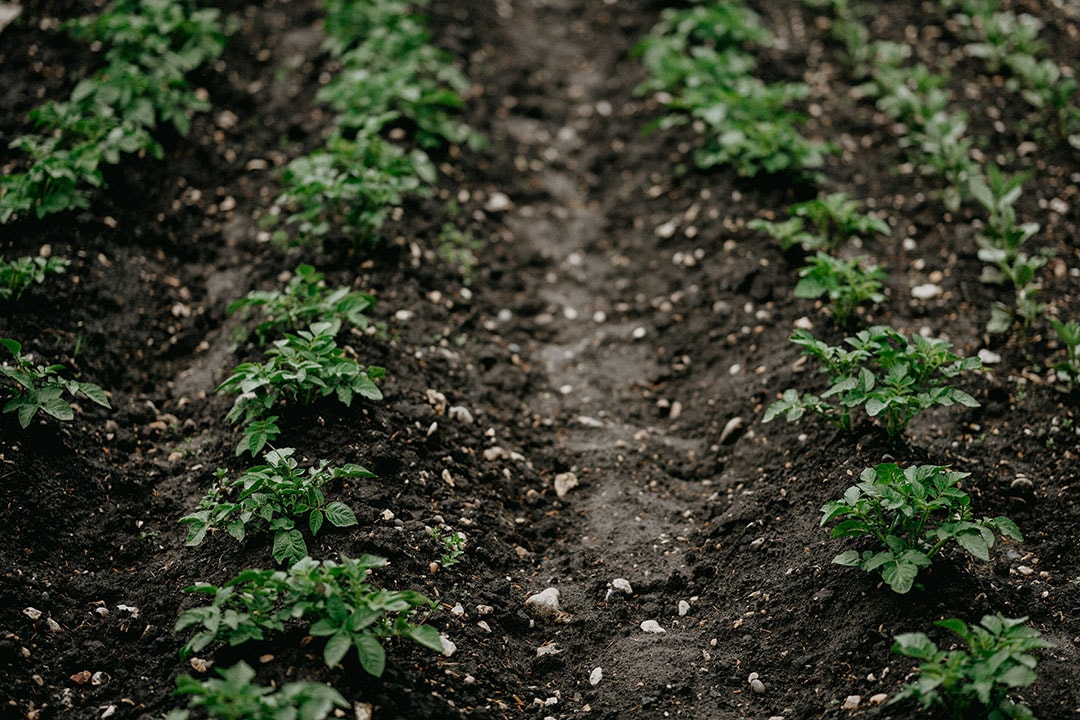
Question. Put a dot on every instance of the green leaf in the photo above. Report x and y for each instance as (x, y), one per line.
(1007, 528)
(427, 636)
(900, 576)
(95, 394)
(315, 521)
(289, 546)
(975, 544)
(340, 515)
(849, 558)
(371, 654)
(335, 649)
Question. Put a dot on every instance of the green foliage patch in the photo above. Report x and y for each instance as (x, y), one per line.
(912, 513)
(335, 600)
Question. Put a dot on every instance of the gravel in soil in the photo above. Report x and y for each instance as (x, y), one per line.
(609, 361)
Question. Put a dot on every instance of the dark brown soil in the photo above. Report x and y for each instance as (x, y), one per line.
(588, 342)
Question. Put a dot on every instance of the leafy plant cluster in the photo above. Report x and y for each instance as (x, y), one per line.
(34, 387)
(304, 300)
(299, 368)
(19, 275)
(696, 57)
(892, 376)
(334, 600)
(392, 83)
(274, 496)
(912, 513)
(833, 220)
(233, 696)
(996, 659)
(149, 48)
(1008, 42)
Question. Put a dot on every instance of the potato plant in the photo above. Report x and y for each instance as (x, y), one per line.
(234, 696)
(299, 368)
(273, 497)
(892, 376)
(911, 513)
(149, 48)
(305, 300)
(19, 275)
(973, 682)
(35, 387)
(846, 284)
(695, 57)
(334, 599)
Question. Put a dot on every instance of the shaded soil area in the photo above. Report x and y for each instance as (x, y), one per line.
(623, 331)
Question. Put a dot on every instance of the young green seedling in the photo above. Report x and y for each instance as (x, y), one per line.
(451, 544)
(334, 600)
(695, 57)
(17, 276)
(234, 696)
(1000, 247)
(305, 300)
(1069, 335)
(299, 368)
(974, 682)
(40, 387)
(894, 377)
(273, 497)
(846, 283)
(912, 513)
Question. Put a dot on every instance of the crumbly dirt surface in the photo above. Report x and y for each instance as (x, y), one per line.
(622, 326)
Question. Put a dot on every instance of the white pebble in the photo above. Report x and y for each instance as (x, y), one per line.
(596, 676)
(851, 702)
(622, 585)
(448, 647)
(639, 332)
(989, 357)
(925, 291)
(757, 686)
(461, 414)
(32, 613)
(684, 607)
(545, 604)
(497, 202)
(651, 626)
(564, 483)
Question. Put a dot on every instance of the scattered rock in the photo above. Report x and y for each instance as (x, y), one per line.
(547, 649)
(851, 702)
(32, 613)
(684, 607)
(623, 586)
(482, 610)
(989, 357)
(564, 483)
(461, 414)
(129, 609)
(730, 427)
(545, 604)
(926, 291)
(52, 625)
(651, 626)
(448, 647)
(1022, 482)
(498, 202)
(80, 678)
(596, 676)
(437, 401)
(364, 711)
(199, 665)
(757, 686)
(1025, 570)
(879, 698)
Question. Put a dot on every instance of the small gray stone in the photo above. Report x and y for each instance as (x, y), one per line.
(544, 604)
